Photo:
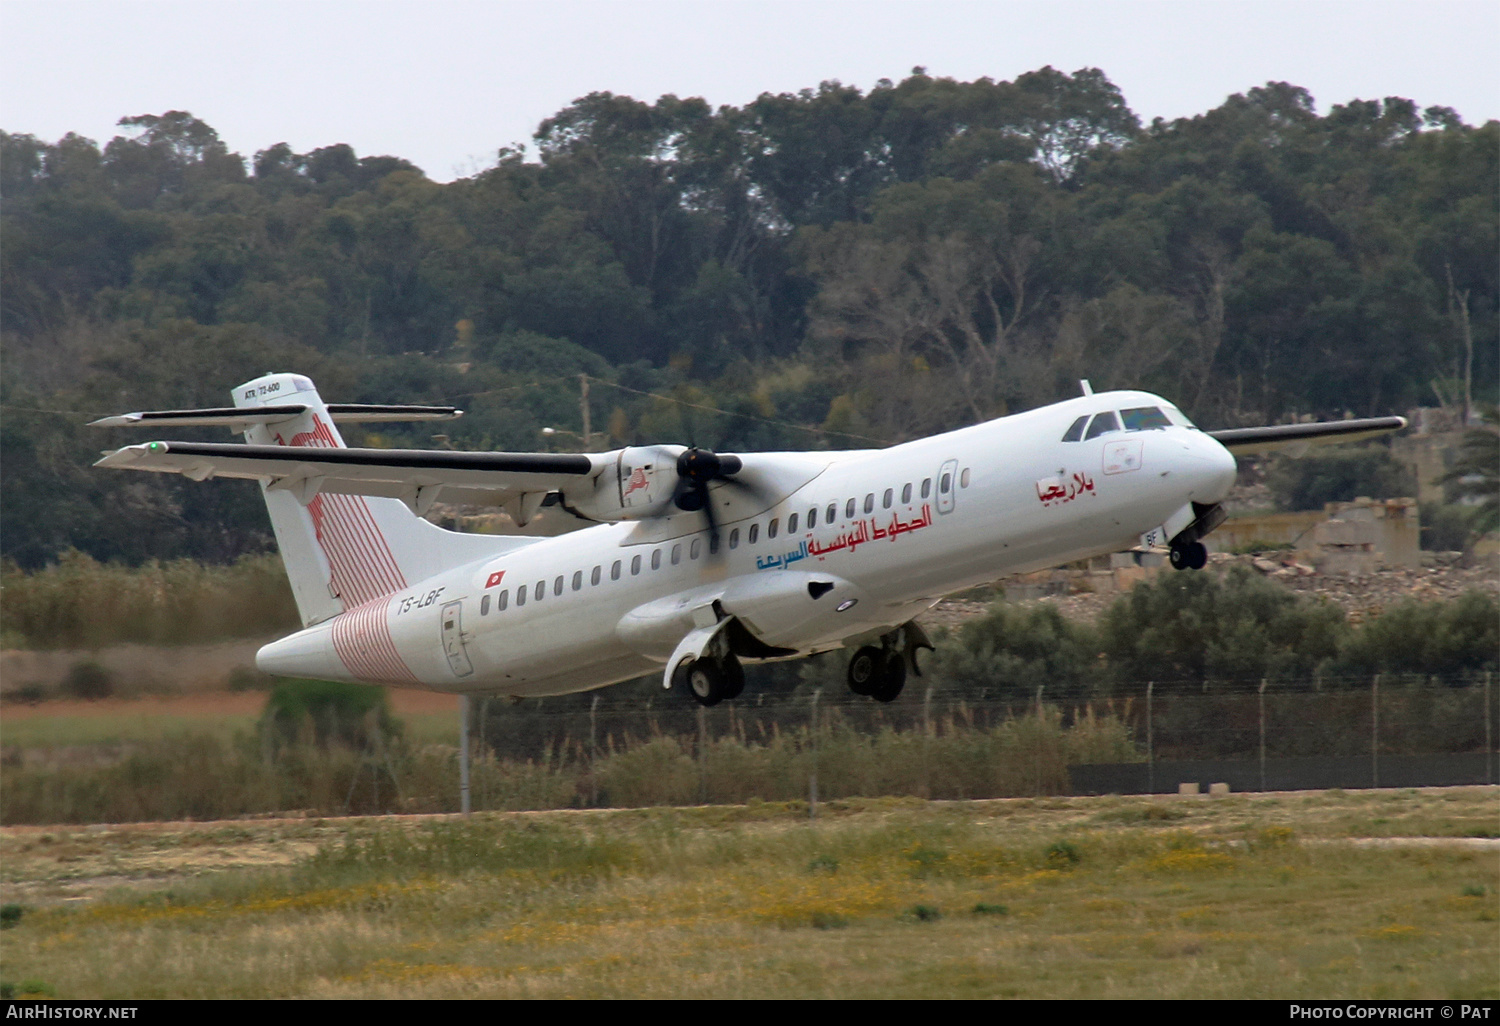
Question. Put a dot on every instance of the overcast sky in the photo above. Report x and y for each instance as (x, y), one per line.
(444, 83)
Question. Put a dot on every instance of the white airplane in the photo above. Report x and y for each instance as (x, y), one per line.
(700, 560)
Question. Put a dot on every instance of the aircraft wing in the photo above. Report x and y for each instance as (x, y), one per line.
(416, 476)
(1295, 438)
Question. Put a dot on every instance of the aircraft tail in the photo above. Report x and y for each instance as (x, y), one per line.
(342, 551)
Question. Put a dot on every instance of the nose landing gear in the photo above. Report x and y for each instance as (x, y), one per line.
(1191, 556)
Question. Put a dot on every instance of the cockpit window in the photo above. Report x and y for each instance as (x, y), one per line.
(1075, 433)
(1102, 422)
(1178, 417)
(1144, 418)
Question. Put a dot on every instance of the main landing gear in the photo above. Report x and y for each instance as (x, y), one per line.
(879, 673)
(1192, 556)
(711, 680)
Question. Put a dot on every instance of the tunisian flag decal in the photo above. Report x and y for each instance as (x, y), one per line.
(494, 578)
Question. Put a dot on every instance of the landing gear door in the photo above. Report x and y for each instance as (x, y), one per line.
(453, 640)
(947, 485)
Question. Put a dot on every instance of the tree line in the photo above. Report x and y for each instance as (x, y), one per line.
(827, 268)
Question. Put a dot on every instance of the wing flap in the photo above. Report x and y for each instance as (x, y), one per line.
(1295, 438)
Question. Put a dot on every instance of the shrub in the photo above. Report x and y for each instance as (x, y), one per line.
(1338, 475)
(326, 712)
(88, 680)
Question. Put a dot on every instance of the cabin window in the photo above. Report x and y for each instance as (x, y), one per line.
(597, 575)
(754, 534)
(849, 510)
(791, 524)
(713, 545)
(734, 538)
(945, 483)
(677, 553)
(521, 595)
(812, 518)
(695, 548)
(1144, 418)
(870, 503)
(656, 559)
(541, 590)
(926, 487)
(614, 571)
(1075, 432)
(888, 498)
(503, 599)
(771, 527)
(557, 585)
(578, 579)
(1103, 422)
(906, 494)
(484, 606)
(635, 566)
(963, 479)
(833, 513)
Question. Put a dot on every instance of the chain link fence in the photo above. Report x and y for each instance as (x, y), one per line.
(644, 746)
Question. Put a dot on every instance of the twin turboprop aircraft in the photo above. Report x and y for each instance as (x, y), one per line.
(700, 560)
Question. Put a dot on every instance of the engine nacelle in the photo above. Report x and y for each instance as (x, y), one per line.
(640, 482)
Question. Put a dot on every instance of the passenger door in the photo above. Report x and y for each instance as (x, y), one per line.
(947, 486)
(453, 640)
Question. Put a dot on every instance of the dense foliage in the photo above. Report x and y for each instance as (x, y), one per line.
(878, 264)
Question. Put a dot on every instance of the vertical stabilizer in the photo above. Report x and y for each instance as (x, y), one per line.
(342, 551)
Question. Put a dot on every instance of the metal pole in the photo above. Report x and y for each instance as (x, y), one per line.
(463, 754)
(583, 403)
(927, 743)
(593, 751)
(1039, 740)
(1263, 733)
(702, 755)
(1150, 743)
(1375, 732)
(1489, 748)
(812, 779)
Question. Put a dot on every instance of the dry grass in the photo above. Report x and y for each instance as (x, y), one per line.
(1249, 896)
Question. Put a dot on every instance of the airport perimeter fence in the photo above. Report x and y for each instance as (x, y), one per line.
(953, 743)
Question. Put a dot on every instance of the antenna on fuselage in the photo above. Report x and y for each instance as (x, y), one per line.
(1083, 383)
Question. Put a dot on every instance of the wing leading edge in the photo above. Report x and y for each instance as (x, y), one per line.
(1294, 439)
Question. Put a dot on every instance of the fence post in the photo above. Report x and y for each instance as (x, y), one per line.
(1263, 733)
(593, 751)
(463, 754)
(702, 755)
(1150, 743)
(927, 743)
(1489, 748)
(1039, 740)
(1375, 732)
(812, 779)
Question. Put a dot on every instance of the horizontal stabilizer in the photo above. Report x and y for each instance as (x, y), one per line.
(239, 418)
(1295, 438)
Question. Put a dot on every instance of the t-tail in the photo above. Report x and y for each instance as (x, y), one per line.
(343, 551)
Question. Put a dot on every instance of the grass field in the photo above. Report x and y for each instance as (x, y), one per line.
(1274, 896)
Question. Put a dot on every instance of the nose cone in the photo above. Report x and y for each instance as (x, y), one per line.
(1210, 467)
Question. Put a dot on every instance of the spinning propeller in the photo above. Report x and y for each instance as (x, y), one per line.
(696, 469)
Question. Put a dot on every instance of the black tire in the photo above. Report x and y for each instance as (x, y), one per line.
(1179, 558)
(864, 670)
(705, 681)
(734, 677)
(1197, 555)
(892, 677)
